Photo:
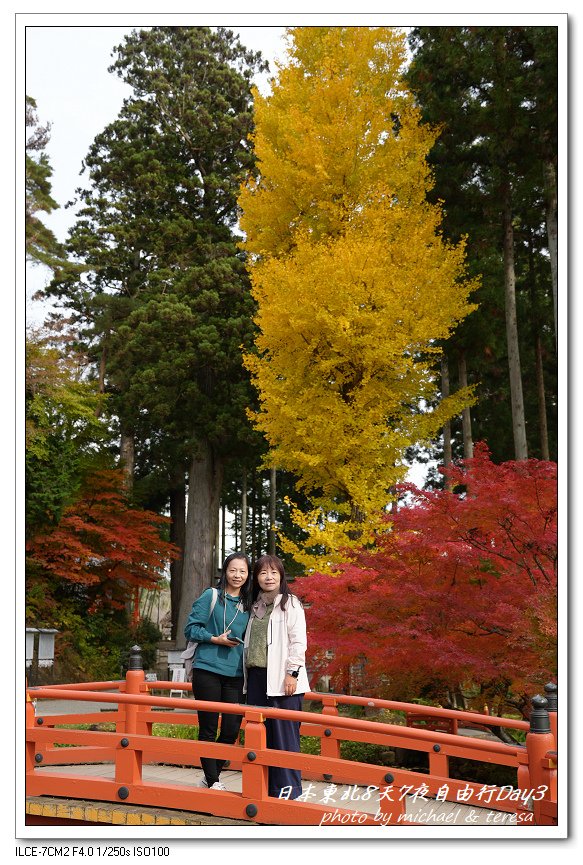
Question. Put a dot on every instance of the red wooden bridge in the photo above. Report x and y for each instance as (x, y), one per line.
(133, 769)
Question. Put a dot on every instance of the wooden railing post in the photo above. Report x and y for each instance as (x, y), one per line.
(254, 775)
(438, 762)
(30, 722)
(540, 744)
(128, 762)
(551, 693)
(329, 742)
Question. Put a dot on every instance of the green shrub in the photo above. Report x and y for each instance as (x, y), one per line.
(310, 744)
(362, 752)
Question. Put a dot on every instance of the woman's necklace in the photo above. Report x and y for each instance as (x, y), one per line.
(237, 611)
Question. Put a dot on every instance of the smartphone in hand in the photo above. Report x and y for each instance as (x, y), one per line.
(234, 639)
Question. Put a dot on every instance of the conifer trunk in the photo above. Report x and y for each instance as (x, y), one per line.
(254, 516)
(550, 175)
(447, 424)
(218, 561)
(223, 529)
(516, 398)
(243, 546)
(127, 458)
(204, 490)
(272, 486)
(542, 406)
(538, 355)
(101, 377)
(177, 536)
(260, 516)
(466, 416)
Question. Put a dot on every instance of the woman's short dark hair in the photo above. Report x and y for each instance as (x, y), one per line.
(245, 594)
(268, 561)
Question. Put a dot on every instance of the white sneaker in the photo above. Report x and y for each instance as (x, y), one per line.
(202, 783)
(218, 785)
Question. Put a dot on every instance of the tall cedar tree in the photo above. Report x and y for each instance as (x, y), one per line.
(353, 280)
(42, 246)
(166, 295)
(460, 597)
(493, 90)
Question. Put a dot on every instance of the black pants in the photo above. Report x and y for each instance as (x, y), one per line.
(216, 689)
(282, 735)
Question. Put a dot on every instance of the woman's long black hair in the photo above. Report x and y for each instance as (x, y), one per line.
(245, 593)
(267, 561)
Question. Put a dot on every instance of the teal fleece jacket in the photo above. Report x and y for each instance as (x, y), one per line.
(208, 656)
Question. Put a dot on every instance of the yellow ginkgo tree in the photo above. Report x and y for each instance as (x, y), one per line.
(354, 283)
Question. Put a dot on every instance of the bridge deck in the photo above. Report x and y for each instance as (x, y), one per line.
(425, 811)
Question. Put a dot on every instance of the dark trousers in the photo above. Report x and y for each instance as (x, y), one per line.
(283, 735)
(216, 689)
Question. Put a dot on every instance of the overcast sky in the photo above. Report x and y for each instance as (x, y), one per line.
(66, 73)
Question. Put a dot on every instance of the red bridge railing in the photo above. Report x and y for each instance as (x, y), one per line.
(132, 745)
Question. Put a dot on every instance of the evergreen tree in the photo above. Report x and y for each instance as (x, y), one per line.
(42, 246)
(165, 297)
(493, 91)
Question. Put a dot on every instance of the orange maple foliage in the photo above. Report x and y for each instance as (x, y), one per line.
(104, 543)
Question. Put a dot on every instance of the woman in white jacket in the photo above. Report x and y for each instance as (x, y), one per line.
(275, 664)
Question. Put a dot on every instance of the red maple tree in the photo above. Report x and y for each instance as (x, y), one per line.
(103, 543)
(460, 591)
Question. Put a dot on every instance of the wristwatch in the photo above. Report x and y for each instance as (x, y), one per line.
(294, 673)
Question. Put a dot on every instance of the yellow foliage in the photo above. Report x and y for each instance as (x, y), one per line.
(355, 285)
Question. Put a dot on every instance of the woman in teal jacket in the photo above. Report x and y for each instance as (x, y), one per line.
(217, 674)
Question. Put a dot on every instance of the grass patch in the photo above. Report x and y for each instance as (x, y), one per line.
(108, 727)
(175, 731)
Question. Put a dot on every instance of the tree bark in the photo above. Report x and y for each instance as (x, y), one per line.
(243, 546)
(223, 529)
(101, 379)
(542, 406)
(127, 458)
(466, 416)
(516, 398)
(177, 536)
(254, 516)
(204, 490)
(447, 424)
(260, 515)
(550, 175)
(538, 355)
(272, 486)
